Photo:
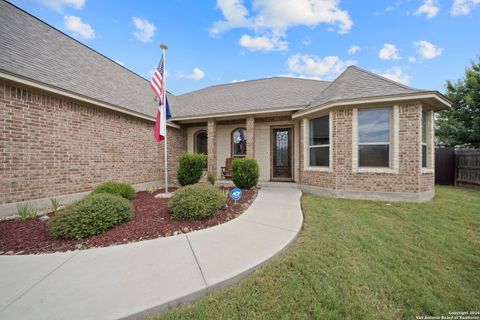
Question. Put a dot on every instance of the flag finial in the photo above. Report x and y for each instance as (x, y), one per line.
(163, 47)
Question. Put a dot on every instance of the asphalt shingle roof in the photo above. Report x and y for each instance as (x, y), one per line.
(254, 95)
(35, 50)
(356, 83)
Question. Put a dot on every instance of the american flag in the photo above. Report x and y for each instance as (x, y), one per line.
(157, 81)
(163, 113)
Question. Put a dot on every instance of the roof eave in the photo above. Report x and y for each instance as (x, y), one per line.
(73, 95)
(238, 114)
(378, 99)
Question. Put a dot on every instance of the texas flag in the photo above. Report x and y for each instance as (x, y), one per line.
(163, 114)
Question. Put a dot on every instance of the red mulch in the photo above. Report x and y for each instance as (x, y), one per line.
(151, 220)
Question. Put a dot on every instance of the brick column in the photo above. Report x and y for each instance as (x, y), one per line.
(212, 147)
(251, 137)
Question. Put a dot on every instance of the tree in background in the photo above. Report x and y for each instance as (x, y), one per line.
(459, 126)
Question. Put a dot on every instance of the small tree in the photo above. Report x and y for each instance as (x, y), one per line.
(460, 124)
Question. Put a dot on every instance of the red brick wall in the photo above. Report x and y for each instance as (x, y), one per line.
(52, 145)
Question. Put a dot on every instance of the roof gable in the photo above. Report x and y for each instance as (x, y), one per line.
(356, 83)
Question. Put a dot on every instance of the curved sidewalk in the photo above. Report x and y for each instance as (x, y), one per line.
(139, 279)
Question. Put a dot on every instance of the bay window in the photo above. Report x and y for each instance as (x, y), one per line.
(319, 144)
(374, 137)
(424, 139)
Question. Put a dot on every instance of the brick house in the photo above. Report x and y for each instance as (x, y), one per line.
(70, 118)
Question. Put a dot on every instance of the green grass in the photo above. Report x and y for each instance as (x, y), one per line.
(364, 260)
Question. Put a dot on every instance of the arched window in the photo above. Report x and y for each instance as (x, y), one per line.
(239, 142)
(201, 142)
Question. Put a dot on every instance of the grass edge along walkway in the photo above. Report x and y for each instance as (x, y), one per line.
(364, 260)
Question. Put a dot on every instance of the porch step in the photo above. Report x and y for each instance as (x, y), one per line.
(270, 184)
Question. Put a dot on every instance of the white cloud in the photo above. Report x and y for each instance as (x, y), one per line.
(196, 74)
(310, 65)
(144, 29)
(277, 16)
(354, 49)
(396, 74)
(389, 52)
(58, 5)
(302, 76)
(412, 59)
(427, 50)
(79, 28)
(463, 7)
(389, 8)
(306, 41)
(121, 63)
(235, 81)
(429, 8)
(263, 43)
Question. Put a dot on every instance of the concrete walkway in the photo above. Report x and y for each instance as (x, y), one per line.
(139, 279)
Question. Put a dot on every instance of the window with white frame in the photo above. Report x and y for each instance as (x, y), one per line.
(374, 137)
(424, 139)
(319, 145)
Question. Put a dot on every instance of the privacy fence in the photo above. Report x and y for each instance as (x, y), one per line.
(457, 167)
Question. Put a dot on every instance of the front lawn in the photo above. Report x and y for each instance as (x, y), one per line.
(365, 260)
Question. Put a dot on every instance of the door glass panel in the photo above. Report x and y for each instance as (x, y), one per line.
(281, 148)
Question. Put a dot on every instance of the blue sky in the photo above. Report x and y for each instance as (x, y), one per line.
(419, 42)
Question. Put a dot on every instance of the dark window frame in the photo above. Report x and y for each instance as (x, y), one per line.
(195, 140)
(232, 147)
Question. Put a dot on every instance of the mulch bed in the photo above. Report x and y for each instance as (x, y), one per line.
(151, 220)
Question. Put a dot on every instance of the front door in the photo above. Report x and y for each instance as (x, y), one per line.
(282, 154)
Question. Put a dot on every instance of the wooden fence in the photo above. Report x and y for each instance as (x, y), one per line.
(445, 166)
(457, 167)
(467, 168)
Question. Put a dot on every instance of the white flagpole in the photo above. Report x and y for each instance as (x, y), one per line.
(164, 50)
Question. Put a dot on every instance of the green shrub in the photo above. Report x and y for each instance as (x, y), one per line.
(245, 173)
(92, 215)
(26, 211)
(55, 204)
(191, 167)
(151, 189)
(195, 202)
(211, 179)
(123, 190)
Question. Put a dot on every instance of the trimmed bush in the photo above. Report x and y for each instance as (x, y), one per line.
(191, 167)
(92, 215)
(123, 190)
(245, 173)
(195, 202)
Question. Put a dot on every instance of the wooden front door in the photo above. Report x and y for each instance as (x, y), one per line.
(282, 153)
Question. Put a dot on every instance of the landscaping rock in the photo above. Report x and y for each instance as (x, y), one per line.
(151, 220)
(44, 218)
